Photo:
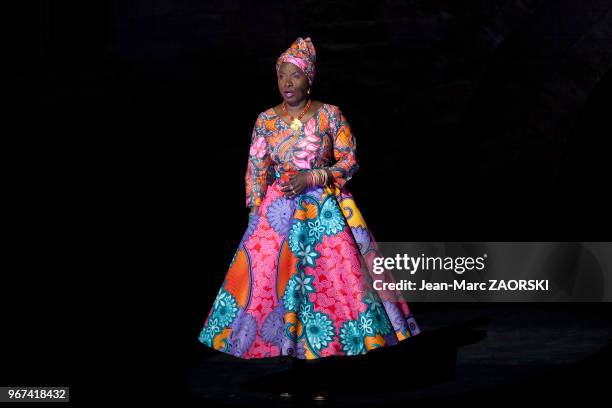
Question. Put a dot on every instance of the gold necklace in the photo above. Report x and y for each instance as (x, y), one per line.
(295, 122)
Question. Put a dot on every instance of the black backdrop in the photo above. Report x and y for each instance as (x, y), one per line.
(474, 121)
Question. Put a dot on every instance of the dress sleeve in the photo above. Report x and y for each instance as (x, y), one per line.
(257, 166)
(344, 150)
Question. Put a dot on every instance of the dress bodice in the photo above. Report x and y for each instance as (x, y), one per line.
(324, 141)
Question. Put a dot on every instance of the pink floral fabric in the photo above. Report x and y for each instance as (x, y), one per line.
(300, 282)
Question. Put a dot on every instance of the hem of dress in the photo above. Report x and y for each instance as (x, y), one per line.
(280, 355)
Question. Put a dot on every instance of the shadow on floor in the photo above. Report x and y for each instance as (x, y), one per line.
(423, 360)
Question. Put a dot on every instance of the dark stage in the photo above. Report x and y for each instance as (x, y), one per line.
(467, 354)
(475, 121)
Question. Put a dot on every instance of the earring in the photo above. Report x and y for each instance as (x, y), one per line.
(308, 91)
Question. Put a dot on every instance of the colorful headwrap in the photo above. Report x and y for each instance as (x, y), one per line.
(302, 54)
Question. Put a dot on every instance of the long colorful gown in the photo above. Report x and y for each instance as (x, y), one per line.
(299, 284)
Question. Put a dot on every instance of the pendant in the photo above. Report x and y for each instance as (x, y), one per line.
(296, 124)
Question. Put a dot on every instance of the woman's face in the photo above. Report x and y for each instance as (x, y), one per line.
(292, 83)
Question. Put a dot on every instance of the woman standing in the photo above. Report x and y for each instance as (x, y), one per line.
(299, 283)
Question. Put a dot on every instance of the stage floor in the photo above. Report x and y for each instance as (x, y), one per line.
(473, 353)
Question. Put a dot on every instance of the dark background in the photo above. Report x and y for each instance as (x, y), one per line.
(474, 121)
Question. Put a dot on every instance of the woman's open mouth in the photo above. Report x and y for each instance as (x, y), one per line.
(289, 94)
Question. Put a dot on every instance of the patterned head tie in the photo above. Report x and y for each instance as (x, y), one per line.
(302, 54)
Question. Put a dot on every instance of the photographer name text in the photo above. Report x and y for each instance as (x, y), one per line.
(462, 285)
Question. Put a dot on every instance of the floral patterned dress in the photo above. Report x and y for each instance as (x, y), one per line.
(299, 282)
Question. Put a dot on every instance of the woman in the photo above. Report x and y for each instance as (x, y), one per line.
(298, 285)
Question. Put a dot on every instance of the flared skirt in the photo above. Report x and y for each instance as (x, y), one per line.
(300, 283)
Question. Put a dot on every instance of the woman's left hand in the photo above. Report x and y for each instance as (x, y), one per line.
(298, 182)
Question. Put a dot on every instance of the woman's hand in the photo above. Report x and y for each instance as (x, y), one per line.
(298, 182)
